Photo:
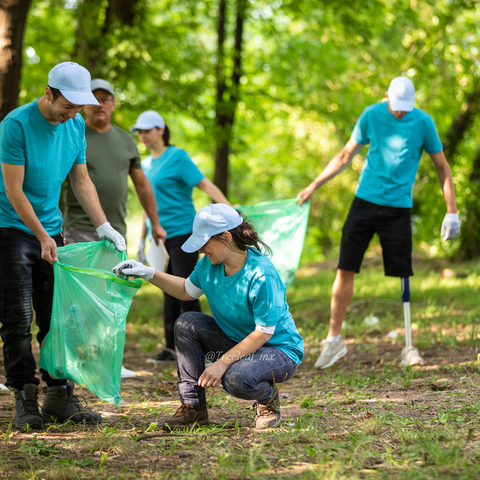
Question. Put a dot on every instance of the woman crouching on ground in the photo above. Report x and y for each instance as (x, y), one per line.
(251, 338)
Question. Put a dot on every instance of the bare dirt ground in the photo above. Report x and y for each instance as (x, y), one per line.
(356, 397)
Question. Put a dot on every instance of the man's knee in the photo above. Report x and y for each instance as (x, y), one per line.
(345, 275)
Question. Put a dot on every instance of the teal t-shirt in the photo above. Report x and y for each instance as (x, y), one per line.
(173, 176)
(48, 153)
(396, 147)
(253, 296)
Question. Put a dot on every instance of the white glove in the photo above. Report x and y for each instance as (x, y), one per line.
(450, 226)
(133, 268)
(107, 231)
(141, 251)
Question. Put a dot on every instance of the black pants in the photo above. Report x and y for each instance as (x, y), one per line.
(24, 277)
(181, 264)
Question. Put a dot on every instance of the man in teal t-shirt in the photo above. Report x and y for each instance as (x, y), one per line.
(40, 144)
(397, 134)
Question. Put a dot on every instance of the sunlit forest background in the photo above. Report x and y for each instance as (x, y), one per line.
(263, 93)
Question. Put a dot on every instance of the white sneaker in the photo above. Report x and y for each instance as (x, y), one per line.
(411, 356)
(331, 352)
(127, 373)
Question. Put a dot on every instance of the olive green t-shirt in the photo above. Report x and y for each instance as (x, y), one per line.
(110, 156)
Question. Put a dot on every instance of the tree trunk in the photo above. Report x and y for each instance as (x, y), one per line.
(221, 153)
(95, 22)
(461, 123)
(470, 232)
(13, 17)
(227, 97)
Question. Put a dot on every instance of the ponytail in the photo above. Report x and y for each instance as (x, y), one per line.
(166, 136)
(246, 236)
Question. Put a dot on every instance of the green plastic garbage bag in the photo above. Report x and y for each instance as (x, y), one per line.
(90, 306)
(282, 226)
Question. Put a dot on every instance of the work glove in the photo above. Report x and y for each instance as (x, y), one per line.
(141, 251)
(107, 231)
(132, 268)
(450, 226)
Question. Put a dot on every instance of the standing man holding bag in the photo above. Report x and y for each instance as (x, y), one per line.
(40, 144)
(397, 134)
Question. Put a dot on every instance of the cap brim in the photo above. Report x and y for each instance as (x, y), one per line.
(144, 127)
(401, 105)
(80, 98)
(194, 243)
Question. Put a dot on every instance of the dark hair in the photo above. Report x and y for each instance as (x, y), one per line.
(246, 236)
(166, 136)
(55, 92)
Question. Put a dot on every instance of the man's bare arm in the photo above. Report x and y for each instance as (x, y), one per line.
(13, 176)
(86, 194)
(446, 180)
(336, 165)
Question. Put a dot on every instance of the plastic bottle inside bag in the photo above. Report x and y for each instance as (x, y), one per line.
(76, 332)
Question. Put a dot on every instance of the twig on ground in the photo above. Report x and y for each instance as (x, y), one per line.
(154, 435)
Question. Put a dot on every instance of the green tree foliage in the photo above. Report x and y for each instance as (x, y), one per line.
(309, 68)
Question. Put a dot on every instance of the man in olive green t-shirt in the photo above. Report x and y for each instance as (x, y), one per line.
(112, 155)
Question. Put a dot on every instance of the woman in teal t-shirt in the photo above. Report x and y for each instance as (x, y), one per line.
(251, 338)
(173, 175)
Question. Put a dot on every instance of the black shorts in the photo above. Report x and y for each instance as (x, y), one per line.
(391, 224)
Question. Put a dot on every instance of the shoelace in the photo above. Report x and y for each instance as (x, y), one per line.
(264, 410)
(74, 402)
(31, 407)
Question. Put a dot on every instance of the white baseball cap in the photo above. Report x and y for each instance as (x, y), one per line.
(148, 120)
(99, 84)
(209, 221)
(401, 94)
(73, 81)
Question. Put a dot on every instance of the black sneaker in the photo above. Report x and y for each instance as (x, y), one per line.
(166, 355)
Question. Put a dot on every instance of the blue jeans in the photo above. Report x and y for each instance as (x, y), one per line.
(199, 338)
(24, 277)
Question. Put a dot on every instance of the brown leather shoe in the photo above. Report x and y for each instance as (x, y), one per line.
(187, 416)
(269, 416)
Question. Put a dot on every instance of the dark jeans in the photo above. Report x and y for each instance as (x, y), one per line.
(199, 338)
(24, 277)
(181, 264)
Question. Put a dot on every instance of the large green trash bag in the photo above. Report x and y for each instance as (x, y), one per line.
(282, 226)
(90, 306)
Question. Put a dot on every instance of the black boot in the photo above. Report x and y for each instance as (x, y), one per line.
(26, 407)
(61, 404)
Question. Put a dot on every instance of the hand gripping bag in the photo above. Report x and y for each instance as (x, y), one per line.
(90, 306)
(282, 226)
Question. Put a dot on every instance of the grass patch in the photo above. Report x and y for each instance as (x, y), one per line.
(364, 417)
